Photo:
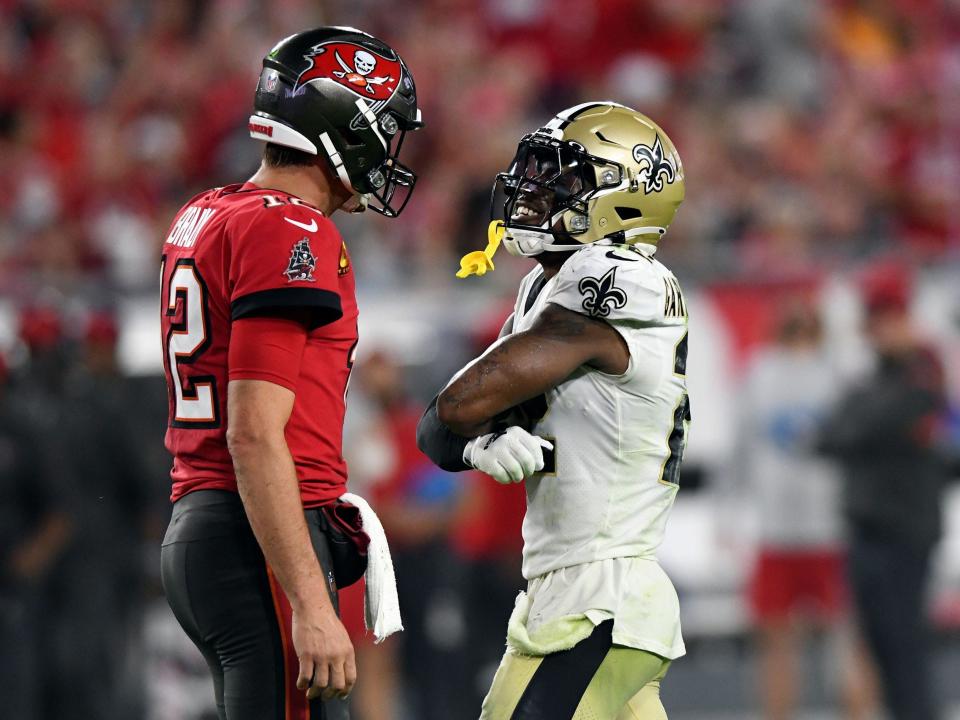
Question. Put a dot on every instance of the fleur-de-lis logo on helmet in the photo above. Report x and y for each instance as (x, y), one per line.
(602, 296)
(658, 166)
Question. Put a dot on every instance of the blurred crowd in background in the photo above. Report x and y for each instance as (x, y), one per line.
(813, 133)
(818, 244)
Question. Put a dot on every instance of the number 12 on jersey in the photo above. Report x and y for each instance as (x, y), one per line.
(194, 397)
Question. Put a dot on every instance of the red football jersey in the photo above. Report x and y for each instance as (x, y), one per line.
(242, 251)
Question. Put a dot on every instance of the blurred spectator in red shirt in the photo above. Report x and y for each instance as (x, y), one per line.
(798, 585)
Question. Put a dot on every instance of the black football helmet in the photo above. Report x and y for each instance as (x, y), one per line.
(343, 94)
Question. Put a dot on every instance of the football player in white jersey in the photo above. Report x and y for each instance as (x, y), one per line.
(584, 397)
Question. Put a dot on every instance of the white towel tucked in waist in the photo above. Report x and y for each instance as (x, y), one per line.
(380, 603)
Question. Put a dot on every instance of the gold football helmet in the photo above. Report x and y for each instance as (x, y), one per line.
(597, 171)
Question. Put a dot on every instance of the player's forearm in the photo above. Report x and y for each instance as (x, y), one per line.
(524, 365)
(267, 481)
(439, 443)
(517, 369)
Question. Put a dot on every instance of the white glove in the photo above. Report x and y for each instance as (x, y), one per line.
(508, 456)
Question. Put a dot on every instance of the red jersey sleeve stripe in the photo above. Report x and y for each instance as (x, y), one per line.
(325, 304)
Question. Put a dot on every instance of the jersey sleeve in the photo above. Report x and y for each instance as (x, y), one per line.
(616, 285)
(281, 258)
(267, 348)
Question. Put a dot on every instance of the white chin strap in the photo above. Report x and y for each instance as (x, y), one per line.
(529, 243)
(358, 201)
(526, 243)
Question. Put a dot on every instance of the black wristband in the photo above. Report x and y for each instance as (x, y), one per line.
(439, 443)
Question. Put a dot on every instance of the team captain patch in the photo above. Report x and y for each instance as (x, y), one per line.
(302, 262)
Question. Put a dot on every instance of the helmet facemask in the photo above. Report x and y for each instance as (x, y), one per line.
(544, 198)
(391, 185)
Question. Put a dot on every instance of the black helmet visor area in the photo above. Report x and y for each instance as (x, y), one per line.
(391, 185)
(548, 177)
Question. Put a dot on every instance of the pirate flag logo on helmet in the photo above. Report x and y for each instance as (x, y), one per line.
(365, 72)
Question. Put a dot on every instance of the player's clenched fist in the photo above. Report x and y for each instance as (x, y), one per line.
(508, 456)
(327, 664)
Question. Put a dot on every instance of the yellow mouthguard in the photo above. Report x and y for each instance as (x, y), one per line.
(479, 261)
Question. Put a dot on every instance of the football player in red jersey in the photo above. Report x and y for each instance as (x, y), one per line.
(259, 324)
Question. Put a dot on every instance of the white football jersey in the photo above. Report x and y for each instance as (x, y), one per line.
(610, 483)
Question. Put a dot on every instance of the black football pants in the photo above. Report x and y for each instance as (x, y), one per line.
(223, 595)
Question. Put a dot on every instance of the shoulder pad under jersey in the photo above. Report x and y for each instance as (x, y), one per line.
(619, 283)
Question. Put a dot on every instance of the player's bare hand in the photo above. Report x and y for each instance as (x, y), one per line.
(509, 456)
(328, 668)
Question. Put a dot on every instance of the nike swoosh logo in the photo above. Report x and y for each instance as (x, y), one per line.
(312, 227)
(613, 256)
